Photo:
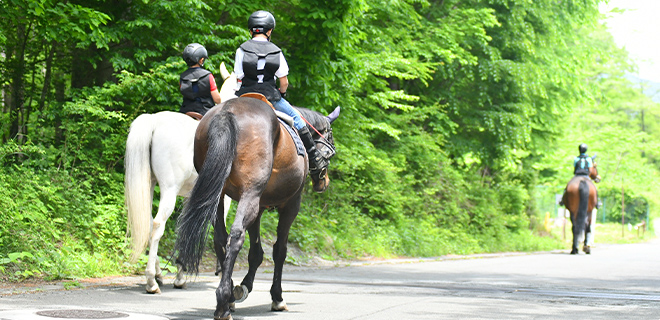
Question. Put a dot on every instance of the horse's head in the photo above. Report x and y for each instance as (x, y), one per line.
(228, 89)
(321, 129)
(593, 171)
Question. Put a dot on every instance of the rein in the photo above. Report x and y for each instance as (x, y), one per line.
(322, 136)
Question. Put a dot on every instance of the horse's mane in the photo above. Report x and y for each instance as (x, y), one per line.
(317, 120)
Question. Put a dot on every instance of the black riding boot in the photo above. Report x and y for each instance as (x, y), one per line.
(317, 164)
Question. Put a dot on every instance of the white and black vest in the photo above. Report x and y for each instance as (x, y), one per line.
(260, 81)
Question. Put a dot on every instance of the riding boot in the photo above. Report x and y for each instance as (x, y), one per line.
(317, 164)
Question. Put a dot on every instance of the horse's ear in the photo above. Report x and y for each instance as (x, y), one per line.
(223, 71)
(594, 157)
(334, 114)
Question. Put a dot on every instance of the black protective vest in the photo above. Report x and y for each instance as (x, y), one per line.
(582, 162)
(196, 91)
(253, 51)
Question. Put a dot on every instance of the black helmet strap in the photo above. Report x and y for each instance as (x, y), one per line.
(260, 30)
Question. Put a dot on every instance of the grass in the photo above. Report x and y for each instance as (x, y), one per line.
(613, 233)
(604, 233)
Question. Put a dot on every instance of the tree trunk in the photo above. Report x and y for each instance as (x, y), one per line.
(59, 82)
(17, 71)
(49, 71)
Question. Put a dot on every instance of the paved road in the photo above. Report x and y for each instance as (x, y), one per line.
(615, 282)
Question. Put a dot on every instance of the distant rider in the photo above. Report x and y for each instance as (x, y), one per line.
(197, 85)
(583, 162)
(581, 166)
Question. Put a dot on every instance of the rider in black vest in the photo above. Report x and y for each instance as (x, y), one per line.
(583, 162)
(258, 63)
(197, 85)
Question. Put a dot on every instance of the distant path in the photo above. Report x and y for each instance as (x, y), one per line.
(615, 282)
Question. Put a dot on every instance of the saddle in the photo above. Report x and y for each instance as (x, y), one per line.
(194, 115)
(281, 115)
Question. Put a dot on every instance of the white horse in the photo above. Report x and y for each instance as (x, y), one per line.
(159, 150)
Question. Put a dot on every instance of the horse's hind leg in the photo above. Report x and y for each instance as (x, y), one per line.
(576, 235)
(220, 239)
(588, 239)
(246, 214)
(152, 272)
(255, 257)
(287, 215)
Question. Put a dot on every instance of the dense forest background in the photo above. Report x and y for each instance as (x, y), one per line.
(460, 119)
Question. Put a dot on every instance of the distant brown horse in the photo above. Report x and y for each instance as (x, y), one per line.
(580, 198)
(241, 150)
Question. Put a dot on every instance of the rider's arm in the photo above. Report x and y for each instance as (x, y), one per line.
(216, 96)
(238, 64)
(282, 74)
(214, 90)
(284, 83)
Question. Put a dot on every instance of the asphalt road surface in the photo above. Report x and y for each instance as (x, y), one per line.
(614, 282)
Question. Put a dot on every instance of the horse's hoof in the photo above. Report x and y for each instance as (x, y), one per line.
(574, 251)
(180, 286)
(232, 307)
(240, 293)
(279, 306)
(153, 290)
(226, 315)
(587, 249)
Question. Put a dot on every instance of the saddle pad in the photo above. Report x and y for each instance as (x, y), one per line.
(300, 148)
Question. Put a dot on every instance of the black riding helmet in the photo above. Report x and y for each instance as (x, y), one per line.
(583, 148)
(261, 21)
(193, 52)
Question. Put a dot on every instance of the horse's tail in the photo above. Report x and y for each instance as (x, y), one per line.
(201, 207)
(583, 191)
(137, 183)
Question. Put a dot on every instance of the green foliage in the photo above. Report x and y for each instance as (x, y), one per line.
(55, 226)
(453, 113)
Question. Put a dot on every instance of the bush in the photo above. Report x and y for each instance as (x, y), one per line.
(55, 225)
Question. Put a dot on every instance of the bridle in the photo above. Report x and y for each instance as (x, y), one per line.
(327, 149)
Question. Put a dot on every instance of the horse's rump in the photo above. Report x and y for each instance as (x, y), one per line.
(265, 148)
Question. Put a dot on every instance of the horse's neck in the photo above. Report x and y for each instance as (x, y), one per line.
(228, 89)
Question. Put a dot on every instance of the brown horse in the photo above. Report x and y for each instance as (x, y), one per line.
(580, 198)
(241, 150)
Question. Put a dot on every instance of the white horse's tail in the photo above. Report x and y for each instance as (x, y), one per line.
(137, 183)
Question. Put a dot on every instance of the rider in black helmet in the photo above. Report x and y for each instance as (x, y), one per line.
(583, 162)
(197, 85)
(258, 64)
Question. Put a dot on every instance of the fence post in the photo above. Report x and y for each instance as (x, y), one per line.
(603, 209)
(623, 211)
